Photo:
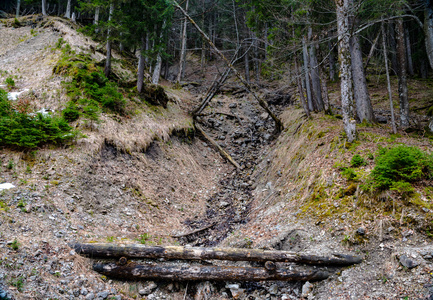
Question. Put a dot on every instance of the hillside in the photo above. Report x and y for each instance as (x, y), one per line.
(146, 176)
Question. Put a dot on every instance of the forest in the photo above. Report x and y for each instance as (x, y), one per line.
(312, 42)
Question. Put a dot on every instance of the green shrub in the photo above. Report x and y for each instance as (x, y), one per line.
(401, 164)
(10, 82)
(349, 174)
(19, 129)
(357, 161)
(71, 113)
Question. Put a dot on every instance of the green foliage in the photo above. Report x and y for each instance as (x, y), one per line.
(10, 165)
(60, 43)
(397, 167)
(10, 82)
(15, 245)
(71, 113)
(90, 90)
(144, 238)
(357, 161)
(27, 131)
(349, 174)
(18, 283)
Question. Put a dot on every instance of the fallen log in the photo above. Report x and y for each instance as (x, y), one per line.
(218, 147)
(195, 253)
(182, 273)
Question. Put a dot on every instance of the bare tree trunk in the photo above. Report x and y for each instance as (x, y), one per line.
(370, 54)
(315, 78)
(343, 28)
(247, 66)
(203, 42)
(107, 69)
(256, 58)
(402, 76)
(408, 52)
(428, 30)
(331, 61)
(393, 46)
(300, 89)
(278, 124)
(385, 55)
(157, 71)
(307, 74)
(44, 7)
(183, 47)
(96, 19)
(17, 15)
(68, 10)
(325, 94)
(141, 66)
(364, 110)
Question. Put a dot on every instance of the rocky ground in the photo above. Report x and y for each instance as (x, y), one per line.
(178, 184)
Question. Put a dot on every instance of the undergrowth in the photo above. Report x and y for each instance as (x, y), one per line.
(22, 129)
(89, 89)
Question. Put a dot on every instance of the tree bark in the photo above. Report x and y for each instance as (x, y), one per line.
(364, 110)
(428, 31)
(370, 54)
(300, 89)
(183, 47)
(385, 55)
(44, 7)
(96, 19)
(278, 124)
(393, 46)
(307, 74)
(315, 78)
(247, 66)
(402, 76)
(107, 69)
(17, 15)
(194, 253)
(181, 273)
(68, 10)
(408, 52)
(331, 61)
(141, 66)
(343, 28)
(218, 147)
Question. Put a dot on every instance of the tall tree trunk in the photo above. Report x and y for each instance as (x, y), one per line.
(315, 78)
(107, 69)
(307, 74)
(141, 65)
(44, 7)
(385, 55)
(17, 15)
(157, 70)
(203, 42)
(96, 19)
(364, 110)
(408, 52)
(331, 61)
(370, 54)
(428, 30)
(247, 66)
(325, 94)
(256, 58)
(343, 28)
(68, 10)
(402, 76)
(300, 89)
(393, 47)
(183, 47)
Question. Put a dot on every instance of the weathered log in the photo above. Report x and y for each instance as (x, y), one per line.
(220, 273)
(195, 253)
(215, 144)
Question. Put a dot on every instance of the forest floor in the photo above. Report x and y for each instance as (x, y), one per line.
(146, 177)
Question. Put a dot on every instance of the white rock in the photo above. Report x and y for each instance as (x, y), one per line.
(6, 186)
(15, 95)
